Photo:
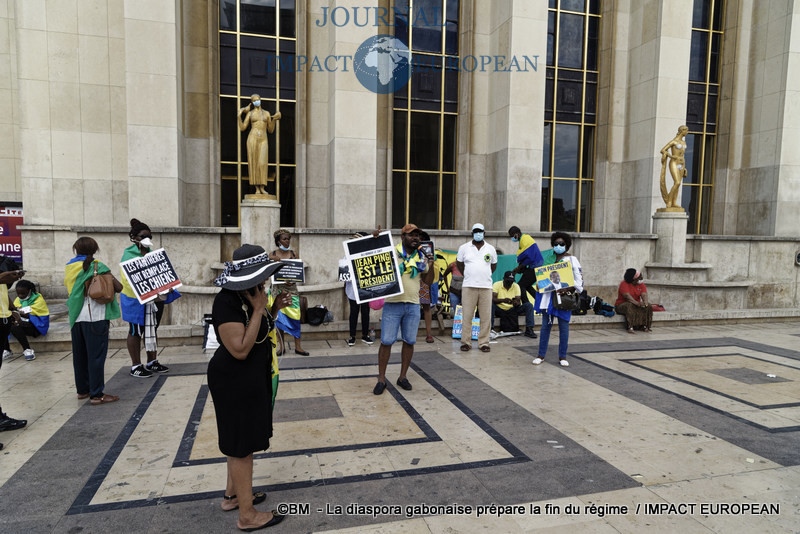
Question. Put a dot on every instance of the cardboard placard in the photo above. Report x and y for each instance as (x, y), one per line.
(293, 272)
(374, 267)
(150, 275)
(555, 276)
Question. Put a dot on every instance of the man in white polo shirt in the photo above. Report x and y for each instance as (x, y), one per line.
(477, 260)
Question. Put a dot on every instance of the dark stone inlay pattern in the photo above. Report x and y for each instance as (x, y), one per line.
(747, 376)
(306, 409)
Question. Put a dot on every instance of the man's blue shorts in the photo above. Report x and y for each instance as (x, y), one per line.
(402, 316)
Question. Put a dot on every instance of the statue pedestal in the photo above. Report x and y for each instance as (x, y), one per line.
(259, 219)
(670, 226)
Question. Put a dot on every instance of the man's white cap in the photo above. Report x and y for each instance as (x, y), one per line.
(478, 226)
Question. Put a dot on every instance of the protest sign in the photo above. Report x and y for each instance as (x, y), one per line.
(374, 269)
(344, 271)
(555, 276)
(293, 272)
(10, 234)
(457, 325)
(150, 275)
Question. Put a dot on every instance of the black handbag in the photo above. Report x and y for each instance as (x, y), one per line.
(567, 301)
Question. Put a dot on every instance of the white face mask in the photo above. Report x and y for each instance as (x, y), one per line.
(146, 242)
(257, 103)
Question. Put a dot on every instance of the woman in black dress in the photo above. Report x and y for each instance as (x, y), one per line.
(239, 376)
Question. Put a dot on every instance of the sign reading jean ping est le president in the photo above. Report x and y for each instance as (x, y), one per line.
(375, 273)
(150, 275)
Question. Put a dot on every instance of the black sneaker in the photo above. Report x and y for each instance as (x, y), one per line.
(404, 383)
(368, 340)
(9, 423)
(156, 367)
(379, 387)
(140, 372)
(351, 342)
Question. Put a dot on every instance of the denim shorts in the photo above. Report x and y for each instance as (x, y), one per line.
(397, 316)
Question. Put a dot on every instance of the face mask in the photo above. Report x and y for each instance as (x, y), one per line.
(257, 103)
(146, 242)
(515, 240)
(284, 248)
(559, 249)
(477, 237)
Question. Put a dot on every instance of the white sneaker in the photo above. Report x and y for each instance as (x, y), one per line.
(7, 354)
(564, 362)
(537, 361)
(29, 355)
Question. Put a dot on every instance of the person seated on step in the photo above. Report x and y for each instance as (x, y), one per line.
(33, 318)
(6, 279)
(508, 306)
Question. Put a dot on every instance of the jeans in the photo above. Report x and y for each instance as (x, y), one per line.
(526, 309)
(455, 300)
(402, 316)
(89, 350)
(544, 336)
(355, 307)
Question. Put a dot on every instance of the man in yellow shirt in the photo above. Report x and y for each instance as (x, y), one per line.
(507, 305)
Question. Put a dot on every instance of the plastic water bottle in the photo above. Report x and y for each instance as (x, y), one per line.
(372, 333)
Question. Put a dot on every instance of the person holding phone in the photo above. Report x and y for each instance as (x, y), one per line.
(242, 376)
(6, 279)
(33, 317)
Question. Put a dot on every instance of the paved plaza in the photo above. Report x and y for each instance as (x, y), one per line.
(688, 429)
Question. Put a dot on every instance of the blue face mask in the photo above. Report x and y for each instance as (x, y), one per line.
(559, 249)
(257, 103)
(515, 239)
(284, 248)
(477, 237)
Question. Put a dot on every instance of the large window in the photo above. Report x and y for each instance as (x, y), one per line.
(425, 116)
(701, 112)
(570, 116)
(252, 34)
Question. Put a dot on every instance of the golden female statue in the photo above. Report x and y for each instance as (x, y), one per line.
(673, 151)
(261, 123)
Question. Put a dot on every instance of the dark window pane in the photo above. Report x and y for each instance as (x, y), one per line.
(258, 66)
(713, 68)
(573, 5)
(569, 99)
(448, 201)
(229, 203)
(287, 18)
(586, 206)
(551, 38)
(565, 200)
(399, 140)
(426, 25)
(590, 108)
(398, 199)
(594, 7)
(692, 156)
(545, 221)
(708, 157)
(718, 5)
(229, 128)
(227, 15)
(451, 31)
(705, 209)
(592, 47)
(700, 13)
(565, 160)
(548, 89)
(287, 198)
(548, 129)
(426, 82)
(695, 107)
(588, 152)
(424, 189)
(553, 4)
(711, 111)
(451, 90)
(286, 128)
(400, 14)
(697, 61)
(424, 141)
(401, 98)
(450, 143)
(570, 41)
(257, 16)
(689, 203)
(227, 69)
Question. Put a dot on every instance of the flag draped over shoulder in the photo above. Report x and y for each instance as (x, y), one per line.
(529, 254)
(40, 314)
(132, 310)
(75, 279)
(273, 339)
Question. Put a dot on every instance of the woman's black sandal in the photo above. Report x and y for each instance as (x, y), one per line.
(258, 498)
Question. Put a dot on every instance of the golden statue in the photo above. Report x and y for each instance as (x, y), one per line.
(673, 151)
(261, 123)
